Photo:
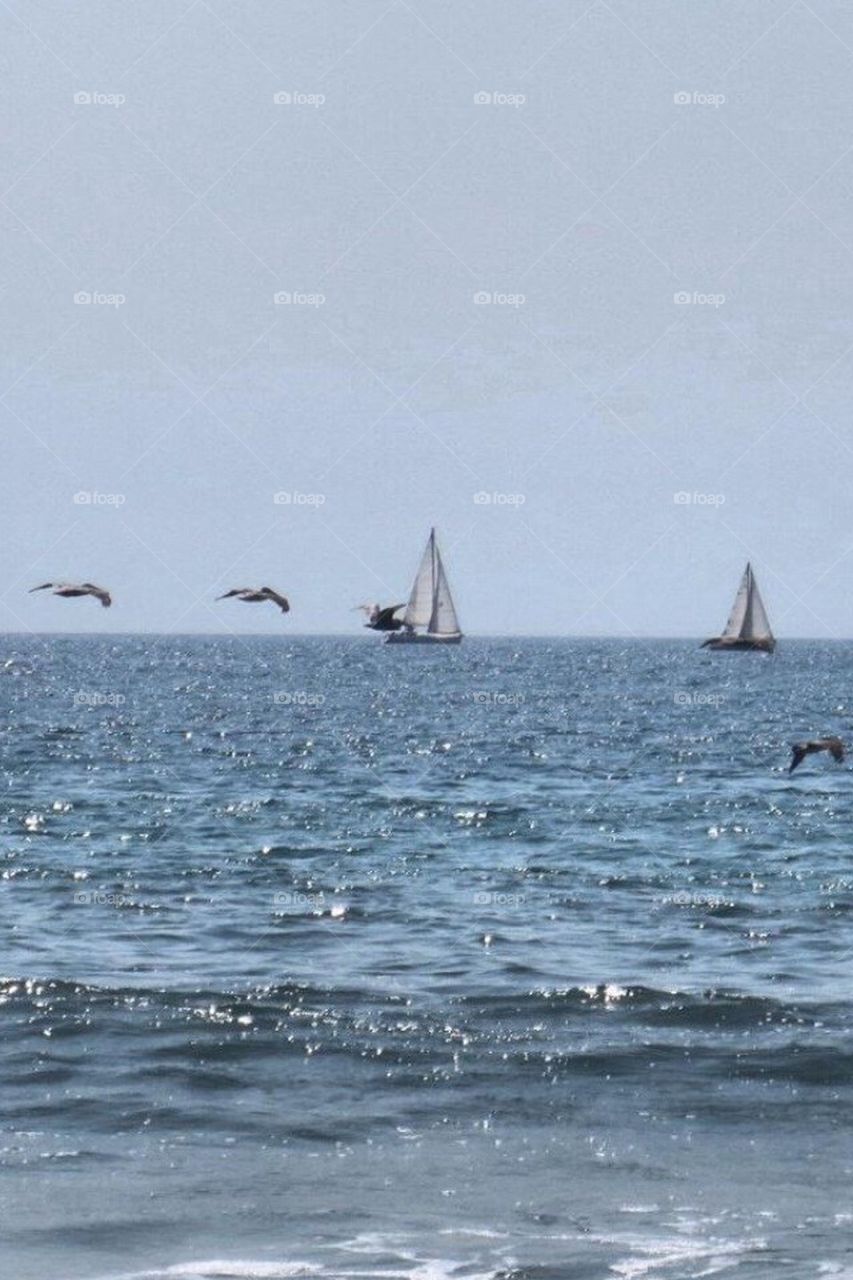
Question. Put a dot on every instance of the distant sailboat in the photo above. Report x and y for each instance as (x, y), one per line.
(430, 616)
(748, 626)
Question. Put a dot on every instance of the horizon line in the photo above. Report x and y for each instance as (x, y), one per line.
(468, 635)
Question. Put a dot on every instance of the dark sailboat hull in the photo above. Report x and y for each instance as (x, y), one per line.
(721, 645)
(421, 637)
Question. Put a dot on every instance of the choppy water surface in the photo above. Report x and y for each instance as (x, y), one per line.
(525, 959)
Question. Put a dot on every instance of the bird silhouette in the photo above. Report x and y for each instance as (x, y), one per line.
(70, 589)
(257, 595)
(381, 619)
(800, 750)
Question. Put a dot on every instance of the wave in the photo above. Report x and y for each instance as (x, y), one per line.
(712, 1008)
(380, 1260)
(225, 1269)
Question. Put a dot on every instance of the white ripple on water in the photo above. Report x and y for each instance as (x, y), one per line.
(227, 1269)
(648, 1257)
(412, 1265)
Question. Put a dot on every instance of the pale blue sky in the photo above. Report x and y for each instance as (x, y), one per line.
(180, 188)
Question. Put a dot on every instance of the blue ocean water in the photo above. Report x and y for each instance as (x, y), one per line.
(525, 959)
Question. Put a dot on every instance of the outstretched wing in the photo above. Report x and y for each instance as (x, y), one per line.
(235, 591)
(44, 586)
(268, 593)
(99, 593)
(799, 754)
(385, 615)
(836, 748)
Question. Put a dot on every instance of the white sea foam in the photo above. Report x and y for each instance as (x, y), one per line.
(648, 1257)
(228, 1269)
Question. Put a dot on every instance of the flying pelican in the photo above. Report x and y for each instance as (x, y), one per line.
(257, 595)
(379, 619)
(69, 589)
(800, 750)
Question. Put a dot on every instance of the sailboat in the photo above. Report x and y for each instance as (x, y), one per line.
(430, 616)
(748, 626)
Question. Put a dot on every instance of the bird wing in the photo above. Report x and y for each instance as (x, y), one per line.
(836, 748)
(798, 755)
(100, 593)
(44, 586)
(268, 593)
(235, 591)
(386, 614)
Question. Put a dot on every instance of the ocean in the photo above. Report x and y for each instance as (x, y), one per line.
(525, 960)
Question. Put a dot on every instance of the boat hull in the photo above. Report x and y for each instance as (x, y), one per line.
(740, 646)
(421, 637)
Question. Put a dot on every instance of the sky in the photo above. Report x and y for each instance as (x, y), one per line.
(284, 284)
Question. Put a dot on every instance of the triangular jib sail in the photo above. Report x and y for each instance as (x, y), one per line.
(430, 603)
(748, 619)
(443, 621)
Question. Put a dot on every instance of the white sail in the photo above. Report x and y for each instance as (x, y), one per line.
(756, 624)
(734, 627)
(444, 620)
(420, 607)
(748, 619)
(430, 604)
